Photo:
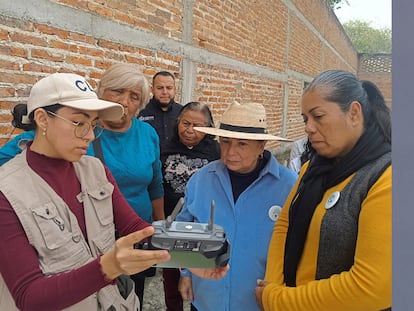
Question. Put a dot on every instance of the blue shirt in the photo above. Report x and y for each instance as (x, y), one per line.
(133, 157)
(248, 224)
(15, 146)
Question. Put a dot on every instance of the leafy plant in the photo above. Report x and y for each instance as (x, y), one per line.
(336, 4)
(367, 39)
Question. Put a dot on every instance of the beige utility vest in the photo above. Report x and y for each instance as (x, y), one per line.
(53, 230)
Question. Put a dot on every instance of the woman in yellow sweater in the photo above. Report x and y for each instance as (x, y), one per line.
(331, 246)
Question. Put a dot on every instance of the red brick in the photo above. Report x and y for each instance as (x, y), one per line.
(7, 105)
(17, 78)
(6, 91)
(79, 37)
(6, 130)
(124, 18)
(38, 68)
(95, 74)
(13, 51)
(101, 64)
(4, 34)
(62, 45)
(3, 141)
(49, 55)
(45, 29)
(149, 72)
(241, 30)
(26, 39)
(78, 60)
(108, 44)
(134, 60)
(93, 52)
(6, 118)
(6, 64)
(99, 9)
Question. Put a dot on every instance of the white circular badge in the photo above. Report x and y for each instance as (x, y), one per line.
(274, 212)
(333, 198)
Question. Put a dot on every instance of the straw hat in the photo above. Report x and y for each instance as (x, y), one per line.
(247, 121)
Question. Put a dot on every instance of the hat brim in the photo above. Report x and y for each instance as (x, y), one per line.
(106, 110)
(239, 135)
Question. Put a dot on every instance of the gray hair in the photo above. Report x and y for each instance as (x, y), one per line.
(197, 106)
(124, 76)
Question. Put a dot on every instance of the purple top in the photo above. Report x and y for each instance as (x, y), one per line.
(19, 264)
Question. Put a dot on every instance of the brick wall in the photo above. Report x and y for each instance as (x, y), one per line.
(378, 69)
(220, 51)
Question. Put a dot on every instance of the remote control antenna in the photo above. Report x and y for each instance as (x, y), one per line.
(211, 220)
(174, 213)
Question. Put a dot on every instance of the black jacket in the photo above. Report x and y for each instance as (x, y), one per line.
(162, 121)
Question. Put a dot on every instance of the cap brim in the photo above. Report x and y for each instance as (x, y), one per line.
(239, 135)
(106, 110)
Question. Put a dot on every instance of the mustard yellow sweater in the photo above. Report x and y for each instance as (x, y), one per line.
(366, 286)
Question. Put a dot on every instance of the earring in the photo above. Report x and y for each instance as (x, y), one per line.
(44, 132)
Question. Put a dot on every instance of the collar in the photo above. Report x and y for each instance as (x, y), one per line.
(156, 103)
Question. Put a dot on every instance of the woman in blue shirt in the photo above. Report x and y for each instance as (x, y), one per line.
(249, 187)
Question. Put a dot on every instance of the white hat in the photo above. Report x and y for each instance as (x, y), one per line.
(70, 90)
(247, 121)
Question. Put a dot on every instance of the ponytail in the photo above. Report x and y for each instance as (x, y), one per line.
(378, 112)
(18, 112)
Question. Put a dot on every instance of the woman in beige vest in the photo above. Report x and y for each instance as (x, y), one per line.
(59, 209)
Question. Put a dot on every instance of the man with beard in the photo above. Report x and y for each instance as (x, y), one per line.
(162, 111)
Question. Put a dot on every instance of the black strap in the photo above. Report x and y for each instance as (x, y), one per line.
(97, 147)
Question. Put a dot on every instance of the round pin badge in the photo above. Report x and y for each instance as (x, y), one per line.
(274, 212)
(333, 198)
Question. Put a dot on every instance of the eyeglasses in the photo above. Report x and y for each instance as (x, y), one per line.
(82, 128)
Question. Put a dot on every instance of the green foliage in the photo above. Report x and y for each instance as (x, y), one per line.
(336, 4)
(367, 39)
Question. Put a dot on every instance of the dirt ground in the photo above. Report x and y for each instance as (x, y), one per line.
(154, 294)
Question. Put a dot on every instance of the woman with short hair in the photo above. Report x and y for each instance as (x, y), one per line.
(182, 156)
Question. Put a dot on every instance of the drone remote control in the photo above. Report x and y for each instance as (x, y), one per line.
(191, 245)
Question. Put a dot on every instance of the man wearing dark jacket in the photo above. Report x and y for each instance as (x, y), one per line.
(162, 111)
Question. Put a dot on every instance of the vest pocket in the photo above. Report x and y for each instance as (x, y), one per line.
(60, 250)
(110, 298)
(52, 227)
(105, 241)
(100, 199)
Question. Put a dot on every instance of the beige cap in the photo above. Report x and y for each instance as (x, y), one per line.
(70, 90)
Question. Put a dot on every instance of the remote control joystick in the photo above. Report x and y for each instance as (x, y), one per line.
(191, 245)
